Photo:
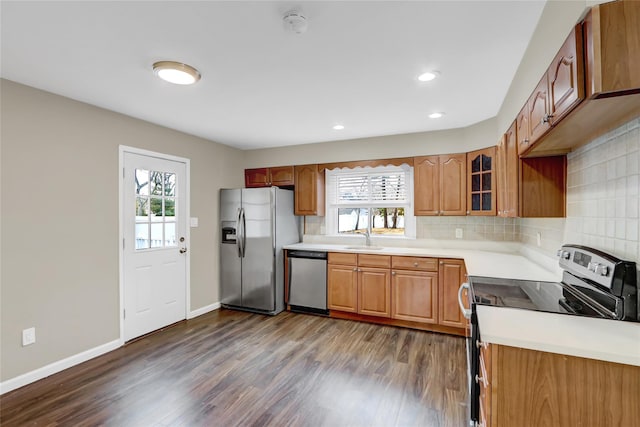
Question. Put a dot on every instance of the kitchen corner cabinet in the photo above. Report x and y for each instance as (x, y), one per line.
(440, 185)
(281, 176)
(309, 190)
(481, 187)
(529, 187)
(451, 274)
(521, 387)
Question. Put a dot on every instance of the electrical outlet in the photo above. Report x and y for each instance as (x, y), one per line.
(458, 233)
(28, 336)
(539, 238)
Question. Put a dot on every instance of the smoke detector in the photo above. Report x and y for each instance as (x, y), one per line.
(294, 22)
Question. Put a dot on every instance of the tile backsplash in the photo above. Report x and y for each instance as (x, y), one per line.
(603, 204)
(602, 192)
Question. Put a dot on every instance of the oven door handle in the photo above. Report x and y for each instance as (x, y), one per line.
(466, 312)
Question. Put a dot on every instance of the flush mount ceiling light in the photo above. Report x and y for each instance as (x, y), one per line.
(176, 72)
(428, 76)
(338, 127)
(436, 115)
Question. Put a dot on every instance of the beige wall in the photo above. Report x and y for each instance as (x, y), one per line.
(60, 220)
(480, 135)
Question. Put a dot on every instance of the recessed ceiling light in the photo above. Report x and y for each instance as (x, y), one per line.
(428, 76)
(435, 115)
(338, 127)
(176, 72)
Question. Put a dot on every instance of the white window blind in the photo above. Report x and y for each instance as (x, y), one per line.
(387, 188)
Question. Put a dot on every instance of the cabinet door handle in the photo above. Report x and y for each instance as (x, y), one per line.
(547, 118)
(393, 273)
(355, 269)
(415, 264)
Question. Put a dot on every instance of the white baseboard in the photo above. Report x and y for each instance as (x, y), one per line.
(55, 367)
(202, 310)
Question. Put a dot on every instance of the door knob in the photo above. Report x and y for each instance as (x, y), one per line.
(183, 250)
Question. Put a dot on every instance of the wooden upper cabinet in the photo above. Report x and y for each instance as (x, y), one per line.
(511, 173)
(542, 186)
(566, 77)
(281, 176)
(453, 194)
(523, 134)
(309, 190)
(612, 49)
(440, 184)
(256, 177)
(481, 184)
(538, 106)
(600, 62)
(426, 185)
(501, 181)
(451, 276)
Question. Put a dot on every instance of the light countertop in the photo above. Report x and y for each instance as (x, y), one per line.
(608, 340)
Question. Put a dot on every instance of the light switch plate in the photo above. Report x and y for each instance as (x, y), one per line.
(193, 221)
(28, 336)
(458, 233)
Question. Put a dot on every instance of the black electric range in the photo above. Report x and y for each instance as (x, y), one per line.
(594, 284)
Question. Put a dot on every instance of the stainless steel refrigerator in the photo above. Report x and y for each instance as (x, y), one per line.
(255, 224)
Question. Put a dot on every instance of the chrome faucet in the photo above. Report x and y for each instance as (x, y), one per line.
(367, 237)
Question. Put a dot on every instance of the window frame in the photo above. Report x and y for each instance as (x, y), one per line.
(333, 205)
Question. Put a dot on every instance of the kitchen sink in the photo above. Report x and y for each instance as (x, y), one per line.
(365, 248)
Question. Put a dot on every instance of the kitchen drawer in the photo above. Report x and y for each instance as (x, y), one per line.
(342, 258)
(368, 260)
(414, 263)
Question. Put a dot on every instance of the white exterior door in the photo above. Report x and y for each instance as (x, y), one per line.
(154, 219)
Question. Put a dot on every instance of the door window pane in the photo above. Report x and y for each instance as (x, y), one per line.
(169, 184)
(156, 215)
(170, 234)
(142, 236)
(142, 182)
(156, 236)
(486, 181)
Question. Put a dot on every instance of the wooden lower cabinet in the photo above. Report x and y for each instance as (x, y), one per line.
(414, 296)
(374, 292)
(416, 292)
(451, 275)
(353, 287)
(529, 388)
(342, 290)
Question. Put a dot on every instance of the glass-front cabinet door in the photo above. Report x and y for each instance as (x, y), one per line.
(481, 182)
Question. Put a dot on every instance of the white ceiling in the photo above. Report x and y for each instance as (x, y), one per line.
(263, 87)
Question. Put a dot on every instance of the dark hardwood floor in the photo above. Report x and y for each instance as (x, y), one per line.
(230, 368)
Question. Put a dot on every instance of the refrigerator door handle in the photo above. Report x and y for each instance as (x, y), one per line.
(244, 232)
(238, 234)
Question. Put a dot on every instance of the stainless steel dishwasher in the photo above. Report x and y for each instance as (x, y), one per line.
(308, 281)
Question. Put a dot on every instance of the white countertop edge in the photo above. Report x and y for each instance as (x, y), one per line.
(559, 349)
(601, 339)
